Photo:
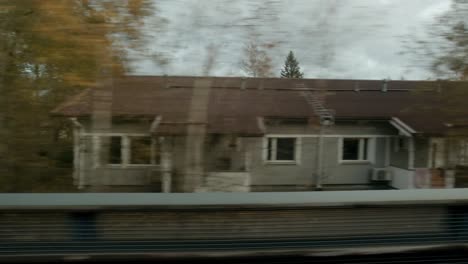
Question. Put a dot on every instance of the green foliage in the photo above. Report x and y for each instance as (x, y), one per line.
(291, 67)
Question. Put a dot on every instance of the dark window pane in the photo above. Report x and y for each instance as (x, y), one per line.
(140, 150)
(350, 149)
(285, 148)
(402, 143)
(115, 154)
(366, 144)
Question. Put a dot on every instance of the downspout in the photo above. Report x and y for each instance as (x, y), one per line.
(153, 127)
(411, 153)
(165, 158)
(166, 166)
(326, 117)
(77, 159)
(318, 180)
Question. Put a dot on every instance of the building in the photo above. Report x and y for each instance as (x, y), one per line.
(194, 134)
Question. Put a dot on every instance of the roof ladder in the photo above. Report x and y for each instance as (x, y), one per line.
(316, 100)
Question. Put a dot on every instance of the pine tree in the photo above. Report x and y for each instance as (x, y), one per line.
(291, 67)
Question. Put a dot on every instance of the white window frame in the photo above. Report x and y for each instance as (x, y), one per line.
(125, 150)
(297, 150)
(370, 150)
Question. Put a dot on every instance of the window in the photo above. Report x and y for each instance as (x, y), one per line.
(282, 149)
(140, 150)
(400, 144)
(355, 149)
(115, 150)
(135, 150)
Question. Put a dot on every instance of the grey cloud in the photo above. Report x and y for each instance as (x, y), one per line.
(332, 39)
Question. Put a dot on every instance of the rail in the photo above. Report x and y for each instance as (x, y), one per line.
(159, 225)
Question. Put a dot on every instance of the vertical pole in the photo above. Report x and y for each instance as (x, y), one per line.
(411, 153)
(96, 151)
(166, 165)
(76, 155)
(81, 162)
(125, 151)
(318, 180)
(153, 151)
(78, 149)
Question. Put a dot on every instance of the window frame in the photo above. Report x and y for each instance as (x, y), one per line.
(366, 151)
(270, 153)
(126, 150)
(153, 146)
(109, 150)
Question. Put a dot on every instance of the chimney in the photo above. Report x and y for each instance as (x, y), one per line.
(356, 87)
(243, 83)
(385, 86)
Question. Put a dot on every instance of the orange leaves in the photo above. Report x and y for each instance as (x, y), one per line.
(75, 38)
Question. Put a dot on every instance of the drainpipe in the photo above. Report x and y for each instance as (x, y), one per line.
(166, 165)
(77, 159)
(326, 116)
(318, 180)
(324, 123)
(411, 153)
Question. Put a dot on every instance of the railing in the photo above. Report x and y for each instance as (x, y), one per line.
(223, 224)
(227, 181)
(421, 178)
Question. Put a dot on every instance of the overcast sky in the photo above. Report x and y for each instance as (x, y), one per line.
(331, 38)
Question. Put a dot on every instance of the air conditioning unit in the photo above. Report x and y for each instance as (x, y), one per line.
(381, 174)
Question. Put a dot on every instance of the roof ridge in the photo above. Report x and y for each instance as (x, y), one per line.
(279, 78)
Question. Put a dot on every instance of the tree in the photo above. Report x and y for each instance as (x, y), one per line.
(444, 51)
(291, 67)
(49, 50)
(453, 60)
(445, 54)
(256, 63)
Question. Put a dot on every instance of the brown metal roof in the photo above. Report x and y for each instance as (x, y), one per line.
(236, 103)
